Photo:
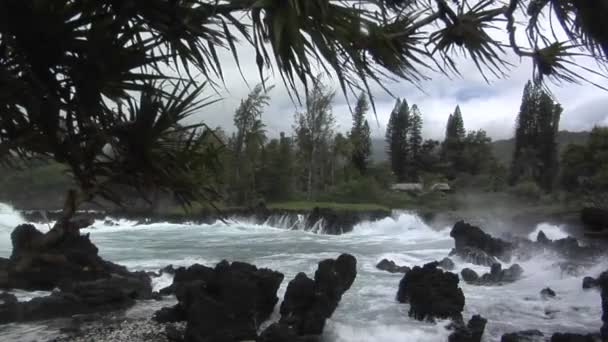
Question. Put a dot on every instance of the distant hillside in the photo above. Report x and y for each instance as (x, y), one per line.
(503, 149)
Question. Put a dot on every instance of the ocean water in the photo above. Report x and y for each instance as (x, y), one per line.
(368, 311)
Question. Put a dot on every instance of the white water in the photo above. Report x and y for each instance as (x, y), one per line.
(368, 311)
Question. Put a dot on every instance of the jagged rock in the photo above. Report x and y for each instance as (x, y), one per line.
(447, 264)
(568, 337)
(474, 256)
(227, 303)
(169, 269)
(170, 314)
(547, 293)
(472, 332)
(603, 284)
(390, 266)
(100, 295)
(432, 293)
(466, 235)
(523, 336)
(468, 275)
(589, 283)
(497, 275)
(542, 238)
(307, 303)
(55, 259)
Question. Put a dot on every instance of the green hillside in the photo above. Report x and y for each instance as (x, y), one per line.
(503, 149)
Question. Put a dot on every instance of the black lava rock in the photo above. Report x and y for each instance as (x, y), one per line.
(432, 293)
(390, 266)
(547, 293)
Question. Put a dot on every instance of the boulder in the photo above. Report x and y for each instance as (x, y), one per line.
(474, 256)
(447, 264)
(589, 283)
(523, 336)
(307, 303)
(466, 235)
(431, 293)
(225, 303)
(542, 238)
(497, 275)
(547, 293)
(390, 266)
(56, 259)
(568, 337)
(472, 332)
(468, 275)
(101, 295)
(603, 284)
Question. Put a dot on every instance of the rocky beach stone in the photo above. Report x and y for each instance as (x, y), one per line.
(447, 264)
(390, 266)
(547, 293)
(497, 275)
(431, 293)
(308, 303)
(466, 235)
(472, 332)
(225, 303)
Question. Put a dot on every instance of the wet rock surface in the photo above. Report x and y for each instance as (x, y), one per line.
(472, 332)
(390, 266)
(432, 293)
(308, 303)
(472, 237)
(496, 277)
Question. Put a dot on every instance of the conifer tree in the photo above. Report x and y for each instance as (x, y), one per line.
(360, 135)
(396, 138)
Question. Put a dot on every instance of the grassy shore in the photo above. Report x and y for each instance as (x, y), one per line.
(306, 205)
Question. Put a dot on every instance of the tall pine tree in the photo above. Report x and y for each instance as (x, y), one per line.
(535, 154)
(452, 147)
(396, 138)
(414, 143)
(360, 136)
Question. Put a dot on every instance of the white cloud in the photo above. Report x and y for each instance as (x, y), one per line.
(492, 107)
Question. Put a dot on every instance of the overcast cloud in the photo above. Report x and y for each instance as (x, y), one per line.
(492, 107)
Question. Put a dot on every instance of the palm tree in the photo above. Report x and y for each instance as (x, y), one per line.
(100, 85)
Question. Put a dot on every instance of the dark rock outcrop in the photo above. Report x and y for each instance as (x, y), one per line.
(472, 332)
(474, 256)
(589, 283)
(227, 303)
(390, 266)
(47, 261)
(568, 337)
(497, 275)
(603, 284)
(102, 295)
(308, 303)
(447, 264)
(468, 275)
(466, 235)
(431, 293)
(523, 336)
(542, 238)
(547, 293)
(170, 315)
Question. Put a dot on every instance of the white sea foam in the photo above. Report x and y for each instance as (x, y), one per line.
(552, 232)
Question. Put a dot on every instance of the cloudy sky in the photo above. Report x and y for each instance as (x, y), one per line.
(492, 107)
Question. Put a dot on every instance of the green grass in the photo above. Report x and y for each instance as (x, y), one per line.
(305, 205)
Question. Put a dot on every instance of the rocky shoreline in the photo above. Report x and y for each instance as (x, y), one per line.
(322, 220)
(233, 300)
